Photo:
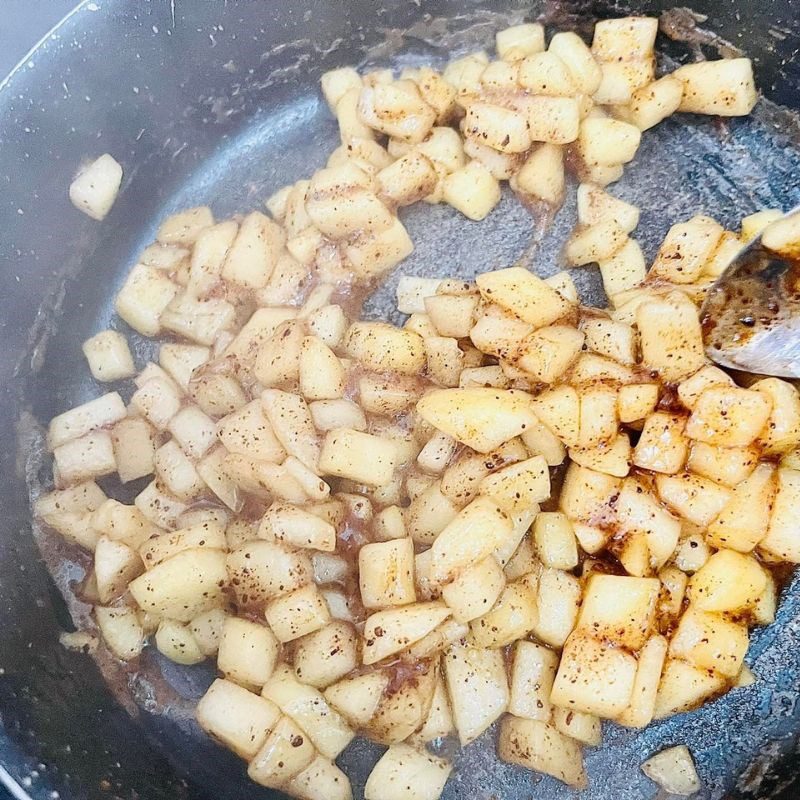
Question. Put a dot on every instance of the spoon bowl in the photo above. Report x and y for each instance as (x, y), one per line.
(751, 316)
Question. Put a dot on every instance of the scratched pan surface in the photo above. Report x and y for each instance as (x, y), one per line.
(218, 103)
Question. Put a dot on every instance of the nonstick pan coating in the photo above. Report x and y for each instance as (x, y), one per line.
(218, 103)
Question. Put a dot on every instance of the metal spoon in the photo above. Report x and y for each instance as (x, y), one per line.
(751, 315)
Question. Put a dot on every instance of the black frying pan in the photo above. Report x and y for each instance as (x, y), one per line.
(217, 102)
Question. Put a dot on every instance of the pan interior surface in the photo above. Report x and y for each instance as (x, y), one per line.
(241, 117)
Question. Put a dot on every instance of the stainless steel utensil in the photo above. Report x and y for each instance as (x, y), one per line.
(751, 317)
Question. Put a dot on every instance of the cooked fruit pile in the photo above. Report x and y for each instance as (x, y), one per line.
(513, 506)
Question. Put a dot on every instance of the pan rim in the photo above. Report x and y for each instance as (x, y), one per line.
(7, 780)
(22, 64)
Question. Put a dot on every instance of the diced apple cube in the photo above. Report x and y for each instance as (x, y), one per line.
(619, 608)
(403, 773)
(728, 581)
(144, 297)
(236, 717)
(729, 417)
(781, 541)
(478, 689)
(594, 677)
(724, 87)
(709, 641)
(539, 746)
(95, 188)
